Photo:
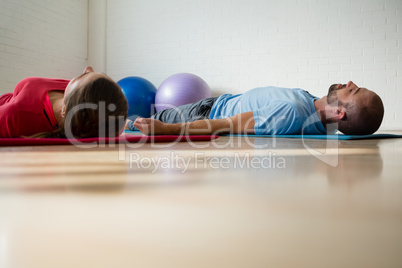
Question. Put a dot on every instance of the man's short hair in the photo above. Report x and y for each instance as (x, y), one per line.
(362, 120)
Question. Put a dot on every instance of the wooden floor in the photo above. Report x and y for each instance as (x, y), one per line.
(235, 202)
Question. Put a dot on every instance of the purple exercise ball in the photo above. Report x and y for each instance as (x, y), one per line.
(180, 89)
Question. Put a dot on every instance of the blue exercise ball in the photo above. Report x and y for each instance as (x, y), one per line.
(140, 94)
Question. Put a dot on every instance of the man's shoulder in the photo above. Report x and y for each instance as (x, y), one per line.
(274, 90)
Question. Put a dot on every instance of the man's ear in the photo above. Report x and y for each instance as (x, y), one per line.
(340, 112)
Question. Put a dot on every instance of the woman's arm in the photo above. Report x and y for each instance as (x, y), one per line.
(238, 124)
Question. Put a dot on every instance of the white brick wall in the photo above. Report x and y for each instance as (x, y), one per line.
(236, 45)
(97, 34)
(41, 38)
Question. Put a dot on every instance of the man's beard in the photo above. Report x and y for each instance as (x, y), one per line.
(332, 96)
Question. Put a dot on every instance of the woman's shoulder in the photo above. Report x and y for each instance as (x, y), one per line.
(36, 84)
(42, 81)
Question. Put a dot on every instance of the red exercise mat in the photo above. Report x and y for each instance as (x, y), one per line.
(124, 138)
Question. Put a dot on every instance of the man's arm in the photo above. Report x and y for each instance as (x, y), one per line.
(238, 124)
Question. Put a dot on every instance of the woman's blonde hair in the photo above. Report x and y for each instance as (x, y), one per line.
(98, 109)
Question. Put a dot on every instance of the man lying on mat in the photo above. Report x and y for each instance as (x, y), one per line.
(272, 111)
(57, 108)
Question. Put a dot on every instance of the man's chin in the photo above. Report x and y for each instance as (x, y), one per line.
(331, 96)
(332, 88)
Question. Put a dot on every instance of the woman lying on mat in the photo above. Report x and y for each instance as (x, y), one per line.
(90, 105)
(273, 111)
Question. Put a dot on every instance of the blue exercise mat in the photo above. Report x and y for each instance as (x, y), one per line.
(326, 137)
(317, 137)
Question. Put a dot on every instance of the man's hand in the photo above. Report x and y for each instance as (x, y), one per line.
(238, 124)
(150, 126)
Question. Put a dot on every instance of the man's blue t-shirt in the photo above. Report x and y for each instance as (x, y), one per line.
(277, 111)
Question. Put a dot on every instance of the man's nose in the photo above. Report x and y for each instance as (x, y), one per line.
(351, 85)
